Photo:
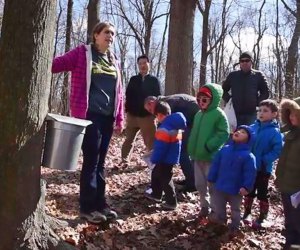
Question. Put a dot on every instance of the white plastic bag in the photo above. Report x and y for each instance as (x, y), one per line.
(295, 199)
(146, 158)
(230, 113)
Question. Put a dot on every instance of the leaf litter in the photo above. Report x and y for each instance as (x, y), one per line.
(141, 223)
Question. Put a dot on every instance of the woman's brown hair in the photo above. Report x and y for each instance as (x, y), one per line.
(96, 30)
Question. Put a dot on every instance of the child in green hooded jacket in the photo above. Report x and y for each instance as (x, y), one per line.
(288, 170)
(209, 132)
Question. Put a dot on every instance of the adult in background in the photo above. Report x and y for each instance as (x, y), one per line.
(187, 105)
(138, 118)
(96, 95)
(248, 88)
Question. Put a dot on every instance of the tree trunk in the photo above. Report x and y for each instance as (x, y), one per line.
(65, 88)
(292, 56)
(54, 82)
(162, 48)
(26, 46)
(205, 33)
(278, 85)
(179, 67)
(93, 17)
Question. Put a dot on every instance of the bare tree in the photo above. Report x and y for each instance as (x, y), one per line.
(65, 87)
(141, 23)
(205, 33)
(292, 51)
(278, 55)
(93, 17)
(54, 79)
(179, 67)
(260, 33)
(217, 30)
(162, 48)
(24, 92)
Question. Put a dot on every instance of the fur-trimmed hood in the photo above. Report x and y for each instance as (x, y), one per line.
(286, 107)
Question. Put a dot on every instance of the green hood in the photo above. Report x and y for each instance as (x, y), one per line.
(217, 92)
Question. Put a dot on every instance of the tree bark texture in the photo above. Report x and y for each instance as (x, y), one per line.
(65, 89)
(179, 67)
(205, 34)
(93, 17)
(292, 56)
(26, 46)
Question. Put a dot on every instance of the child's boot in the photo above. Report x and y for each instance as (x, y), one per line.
(247, 218)
(263, 213)
(264, 209)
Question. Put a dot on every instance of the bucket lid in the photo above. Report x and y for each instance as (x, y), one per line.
(68, 120)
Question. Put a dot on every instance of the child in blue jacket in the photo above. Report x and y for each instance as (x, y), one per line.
(166, 154)
(267, 148)
(232, 175)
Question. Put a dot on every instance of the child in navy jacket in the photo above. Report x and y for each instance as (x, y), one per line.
(232, 175)
(166, 154)
(267, 148)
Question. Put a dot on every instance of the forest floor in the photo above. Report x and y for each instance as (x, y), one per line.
(143, 224)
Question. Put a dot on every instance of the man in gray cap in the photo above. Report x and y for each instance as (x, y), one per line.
(248, 88)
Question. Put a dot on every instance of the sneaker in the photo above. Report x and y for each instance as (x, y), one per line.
(151, 197)
(93, 217)
(204, 212)
(110, 214)
(148, 190)
(168, 206)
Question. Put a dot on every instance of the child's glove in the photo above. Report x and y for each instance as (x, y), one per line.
(243, 191)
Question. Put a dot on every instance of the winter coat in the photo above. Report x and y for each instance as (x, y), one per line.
(247, 90)
(210, 128)
(186, 104)
(268, 144)
(168, 136)
(234, 166)
(79, 62)
(136, 92)
(288, 167)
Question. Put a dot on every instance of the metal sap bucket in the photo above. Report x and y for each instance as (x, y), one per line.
(64, 136)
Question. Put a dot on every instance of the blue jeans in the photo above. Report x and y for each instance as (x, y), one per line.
(185, 161)
(94, 148)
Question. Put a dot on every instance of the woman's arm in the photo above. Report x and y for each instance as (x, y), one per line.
(66, 62)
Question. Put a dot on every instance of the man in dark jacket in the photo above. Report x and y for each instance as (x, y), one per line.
(187, 105)
(248, 88)
(139, 87)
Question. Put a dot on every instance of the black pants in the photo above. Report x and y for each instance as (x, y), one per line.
(161, 181)
(292, 221)
(245, 119)
(260, 189)
(185, 161)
